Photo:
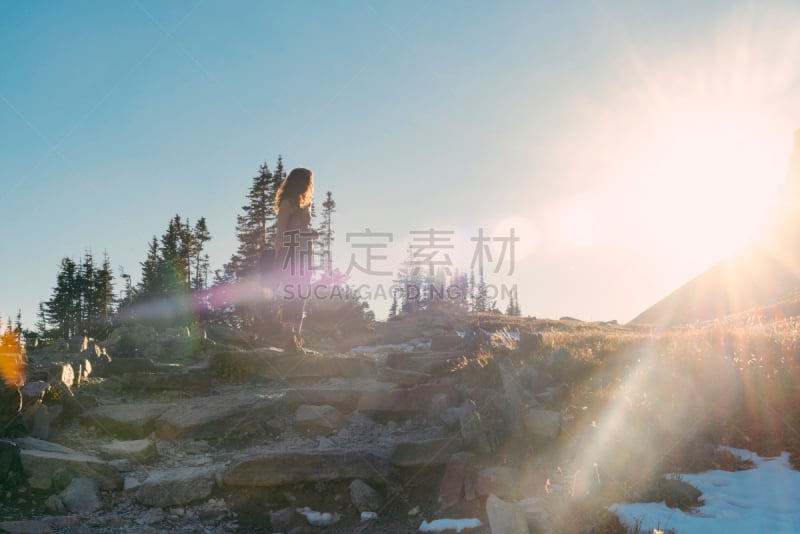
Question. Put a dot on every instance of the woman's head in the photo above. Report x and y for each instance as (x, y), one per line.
(298, 187)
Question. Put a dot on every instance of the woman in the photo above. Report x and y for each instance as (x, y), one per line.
(293, 245)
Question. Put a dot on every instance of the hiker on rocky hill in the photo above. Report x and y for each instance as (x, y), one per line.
(294, 242)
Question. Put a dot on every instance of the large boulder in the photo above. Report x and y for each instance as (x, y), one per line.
(42, 459)
(61, 372)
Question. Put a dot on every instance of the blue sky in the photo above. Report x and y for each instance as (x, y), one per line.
(594, 129)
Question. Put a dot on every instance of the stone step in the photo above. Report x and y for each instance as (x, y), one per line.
(274, 364)
(219, 417)
(273, 468)
(41, 459)
(125, 421)
(422, 362)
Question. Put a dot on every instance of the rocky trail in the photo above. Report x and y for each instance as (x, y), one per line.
(418, 425)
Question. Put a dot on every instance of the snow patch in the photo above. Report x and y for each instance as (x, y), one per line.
(458, 525)
(763, 499)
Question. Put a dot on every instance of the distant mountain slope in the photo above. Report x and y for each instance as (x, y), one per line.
(760, 276)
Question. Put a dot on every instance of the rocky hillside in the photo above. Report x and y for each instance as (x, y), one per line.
(480, 423)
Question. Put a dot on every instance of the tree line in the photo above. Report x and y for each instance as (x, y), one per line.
(176, 281)
(177, 286)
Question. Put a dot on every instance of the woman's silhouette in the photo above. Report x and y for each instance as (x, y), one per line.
(294, 242)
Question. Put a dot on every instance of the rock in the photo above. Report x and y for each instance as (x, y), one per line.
(78, 343)
(459, 469)
(282, 520)
(530, 343)
(151, 517)
(29, 526)
(450, 417)
(125, 421)
(534, 378)
(364, 497)
(445, 342)
(131, 483)
(317, 418)
(402, 378)
(425, 452)
(10, 403)
(122, 465)
(54, 504)
(499, 481)
(58, 392)
(675, 493)
(33, 391)
(140, 450)
(82, 496)
(82, 369)
(561, 362)
(517, 397)
(217, 417)
(62, 478)
(469, 421)
(403, 401)
(542, 424)
(554, 395)
(41, 422)
(198, 383)
(9, 459)
(40, 459)
(176, 486)
(61, 372)
(273, 468)
(276, 365)
(504, 517)
(425, 362)
(122, 366)
(76, 404)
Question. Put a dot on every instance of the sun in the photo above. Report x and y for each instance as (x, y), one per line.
(710, 184)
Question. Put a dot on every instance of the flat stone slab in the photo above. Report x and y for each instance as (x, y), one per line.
(277, 365)
(194, 382)
(273, 468)
(176, 486)
(420, 453)
(125, 421)
(217, 417)
(40, 459)
(422, 362)
(139, 450)
(342, 394)
(36, 526)
(405, 400)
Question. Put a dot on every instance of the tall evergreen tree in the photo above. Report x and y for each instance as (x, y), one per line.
(329, 207)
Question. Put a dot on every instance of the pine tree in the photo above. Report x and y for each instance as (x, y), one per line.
(329, 207)
(255, 226)
(62, 308)
(151, 271)
(200, 261)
